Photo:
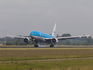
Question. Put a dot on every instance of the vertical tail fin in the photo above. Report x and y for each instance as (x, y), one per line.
(53, 32)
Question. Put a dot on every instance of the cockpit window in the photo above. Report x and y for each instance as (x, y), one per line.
(33, 33)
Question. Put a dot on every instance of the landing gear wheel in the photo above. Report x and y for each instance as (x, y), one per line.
(35, 45)
(51, 45)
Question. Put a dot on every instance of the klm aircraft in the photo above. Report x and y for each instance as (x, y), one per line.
(37, 36)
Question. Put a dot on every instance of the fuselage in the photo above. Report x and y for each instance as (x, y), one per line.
(40, 36)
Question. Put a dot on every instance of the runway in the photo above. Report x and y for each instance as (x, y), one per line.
(44, 46)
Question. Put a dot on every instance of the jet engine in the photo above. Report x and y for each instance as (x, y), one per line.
(54, 40)
(26, 40)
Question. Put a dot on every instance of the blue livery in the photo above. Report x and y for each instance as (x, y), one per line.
(40, 34)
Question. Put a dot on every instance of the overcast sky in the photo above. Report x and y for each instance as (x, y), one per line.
(20, 17)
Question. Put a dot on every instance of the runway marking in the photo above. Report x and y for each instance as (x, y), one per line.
(46, 60)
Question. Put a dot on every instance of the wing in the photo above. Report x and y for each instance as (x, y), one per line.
(18, 36)
(71, 37)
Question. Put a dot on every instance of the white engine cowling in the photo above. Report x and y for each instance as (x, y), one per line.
(26, 40)
(54, 40)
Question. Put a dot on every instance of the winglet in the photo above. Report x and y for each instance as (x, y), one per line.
(54, 29)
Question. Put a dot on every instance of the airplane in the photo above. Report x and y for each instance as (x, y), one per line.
(37, 36)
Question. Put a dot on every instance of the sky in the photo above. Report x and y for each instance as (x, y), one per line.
(20, 17)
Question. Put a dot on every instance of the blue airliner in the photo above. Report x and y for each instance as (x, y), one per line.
(37, 36)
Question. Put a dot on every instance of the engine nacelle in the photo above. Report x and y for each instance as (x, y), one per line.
(54, 40)
(26, 40)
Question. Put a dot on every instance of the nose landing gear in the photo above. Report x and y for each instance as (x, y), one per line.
(36, 46)
(51, 45)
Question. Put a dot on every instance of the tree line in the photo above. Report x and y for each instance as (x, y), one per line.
(76, 41)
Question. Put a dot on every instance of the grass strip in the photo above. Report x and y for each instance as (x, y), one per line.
(81, 64)
(38, 54)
